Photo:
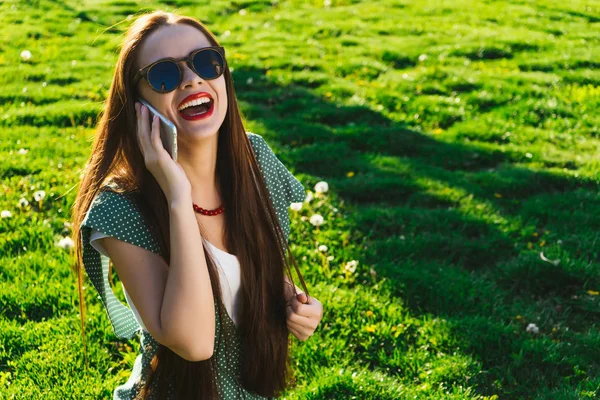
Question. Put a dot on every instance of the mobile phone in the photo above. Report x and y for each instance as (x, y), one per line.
(168, 131)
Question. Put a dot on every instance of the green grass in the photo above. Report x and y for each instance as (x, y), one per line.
(459, 141)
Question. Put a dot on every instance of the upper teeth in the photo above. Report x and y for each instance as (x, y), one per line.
(194, 102)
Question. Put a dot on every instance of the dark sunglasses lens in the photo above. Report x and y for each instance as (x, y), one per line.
(164, 76)
(208, 64)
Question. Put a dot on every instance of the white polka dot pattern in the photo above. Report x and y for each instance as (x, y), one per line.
(116, 215)
(283, 187)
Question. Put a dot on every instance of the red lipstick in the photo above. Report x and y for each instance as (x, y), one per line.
(197, 116)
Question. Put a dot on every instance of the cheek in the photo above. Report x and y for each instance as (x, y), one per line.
(223, 100)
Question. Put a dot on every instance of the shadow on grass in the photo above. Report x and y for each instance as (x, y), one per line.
(469, 265)
(475, 273)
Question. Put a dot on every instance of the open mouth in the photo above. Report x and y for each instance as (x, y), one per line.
(194, 109)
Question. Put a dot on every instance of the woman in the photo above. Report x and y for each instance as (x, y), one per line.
(215, 318)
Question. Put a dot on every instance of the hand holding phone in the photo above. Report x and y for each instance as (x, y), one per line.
(169, 174)
(168, 131)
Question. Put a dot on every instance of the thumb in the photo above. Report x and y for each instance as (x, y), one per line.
(302, 298)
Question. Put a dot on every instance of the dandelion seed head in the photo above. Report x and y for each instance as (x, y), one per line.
(532, 328)
(25, 55)
(309, 197)
(351, 266)
(39, 195)
(317, 220)
(66, 243)
(321, 187)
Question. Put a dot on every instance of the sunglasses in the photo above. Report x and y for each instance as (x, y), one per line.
(165, 75)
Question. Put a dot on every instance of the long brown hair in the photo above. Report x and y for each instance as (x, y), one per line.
(252, 233)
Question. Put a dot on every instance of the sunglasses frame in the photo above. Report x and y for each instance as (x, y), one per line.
(143, 72)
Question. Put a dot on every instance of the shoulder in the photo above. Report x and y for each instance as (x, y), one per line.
(117, 214)
(267, 159)
(258, 143)
(109, 204)
(277, 175)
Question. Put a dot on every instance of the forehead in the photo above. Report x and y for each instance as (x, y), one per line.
(171, 41)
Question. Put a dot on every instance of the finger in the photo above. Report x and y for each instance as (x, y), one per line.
(300, 320)
(288, 310)
(308, 310)
(304, 329)
(303, 298)
(155, 134)
(310, 321)
(296, 305)
(293, 332)
(138, 113)
(298, 334)
(143, 130)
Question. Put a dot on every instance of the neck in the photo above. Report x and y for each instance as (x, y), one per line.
(198, 159)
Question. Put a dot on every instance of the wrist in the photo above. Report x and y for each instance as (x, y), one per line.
(180, 203)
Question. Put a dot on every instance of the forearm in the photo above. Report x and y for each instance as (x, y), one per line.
(187, 312)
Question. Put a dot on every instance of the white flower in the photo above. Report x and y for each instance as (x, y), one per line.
(226, 33)
(249, 81)
(22, 151)
(74, 62)
(6, 214)
(296, 206)
(317, 220)
(533, 328)
(330, 258)
(243, 11)
(66, 243)
(23, 203)
(423, 57)
(327, 3)
(351, 266)
(321, 187)
(39, 195)
(323, 248)
(309, 197)
(25, 55)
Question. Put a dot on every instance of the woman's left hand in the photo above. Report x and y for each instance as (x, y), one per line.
(303, 315)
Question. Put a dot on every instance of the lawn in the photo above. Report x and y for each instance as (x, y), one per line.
(459, 141)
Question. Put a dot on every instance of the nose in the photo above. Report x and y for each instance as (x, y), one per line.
(189, 78)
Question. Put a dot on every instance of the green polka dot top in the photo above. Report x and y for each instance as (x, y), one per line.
(116, 215)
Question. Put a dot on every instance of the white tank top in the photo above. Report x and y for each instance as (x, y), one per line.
(229, 276)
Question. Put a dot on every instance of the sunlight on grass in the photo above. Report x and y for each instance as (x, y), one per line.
(453, 246)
